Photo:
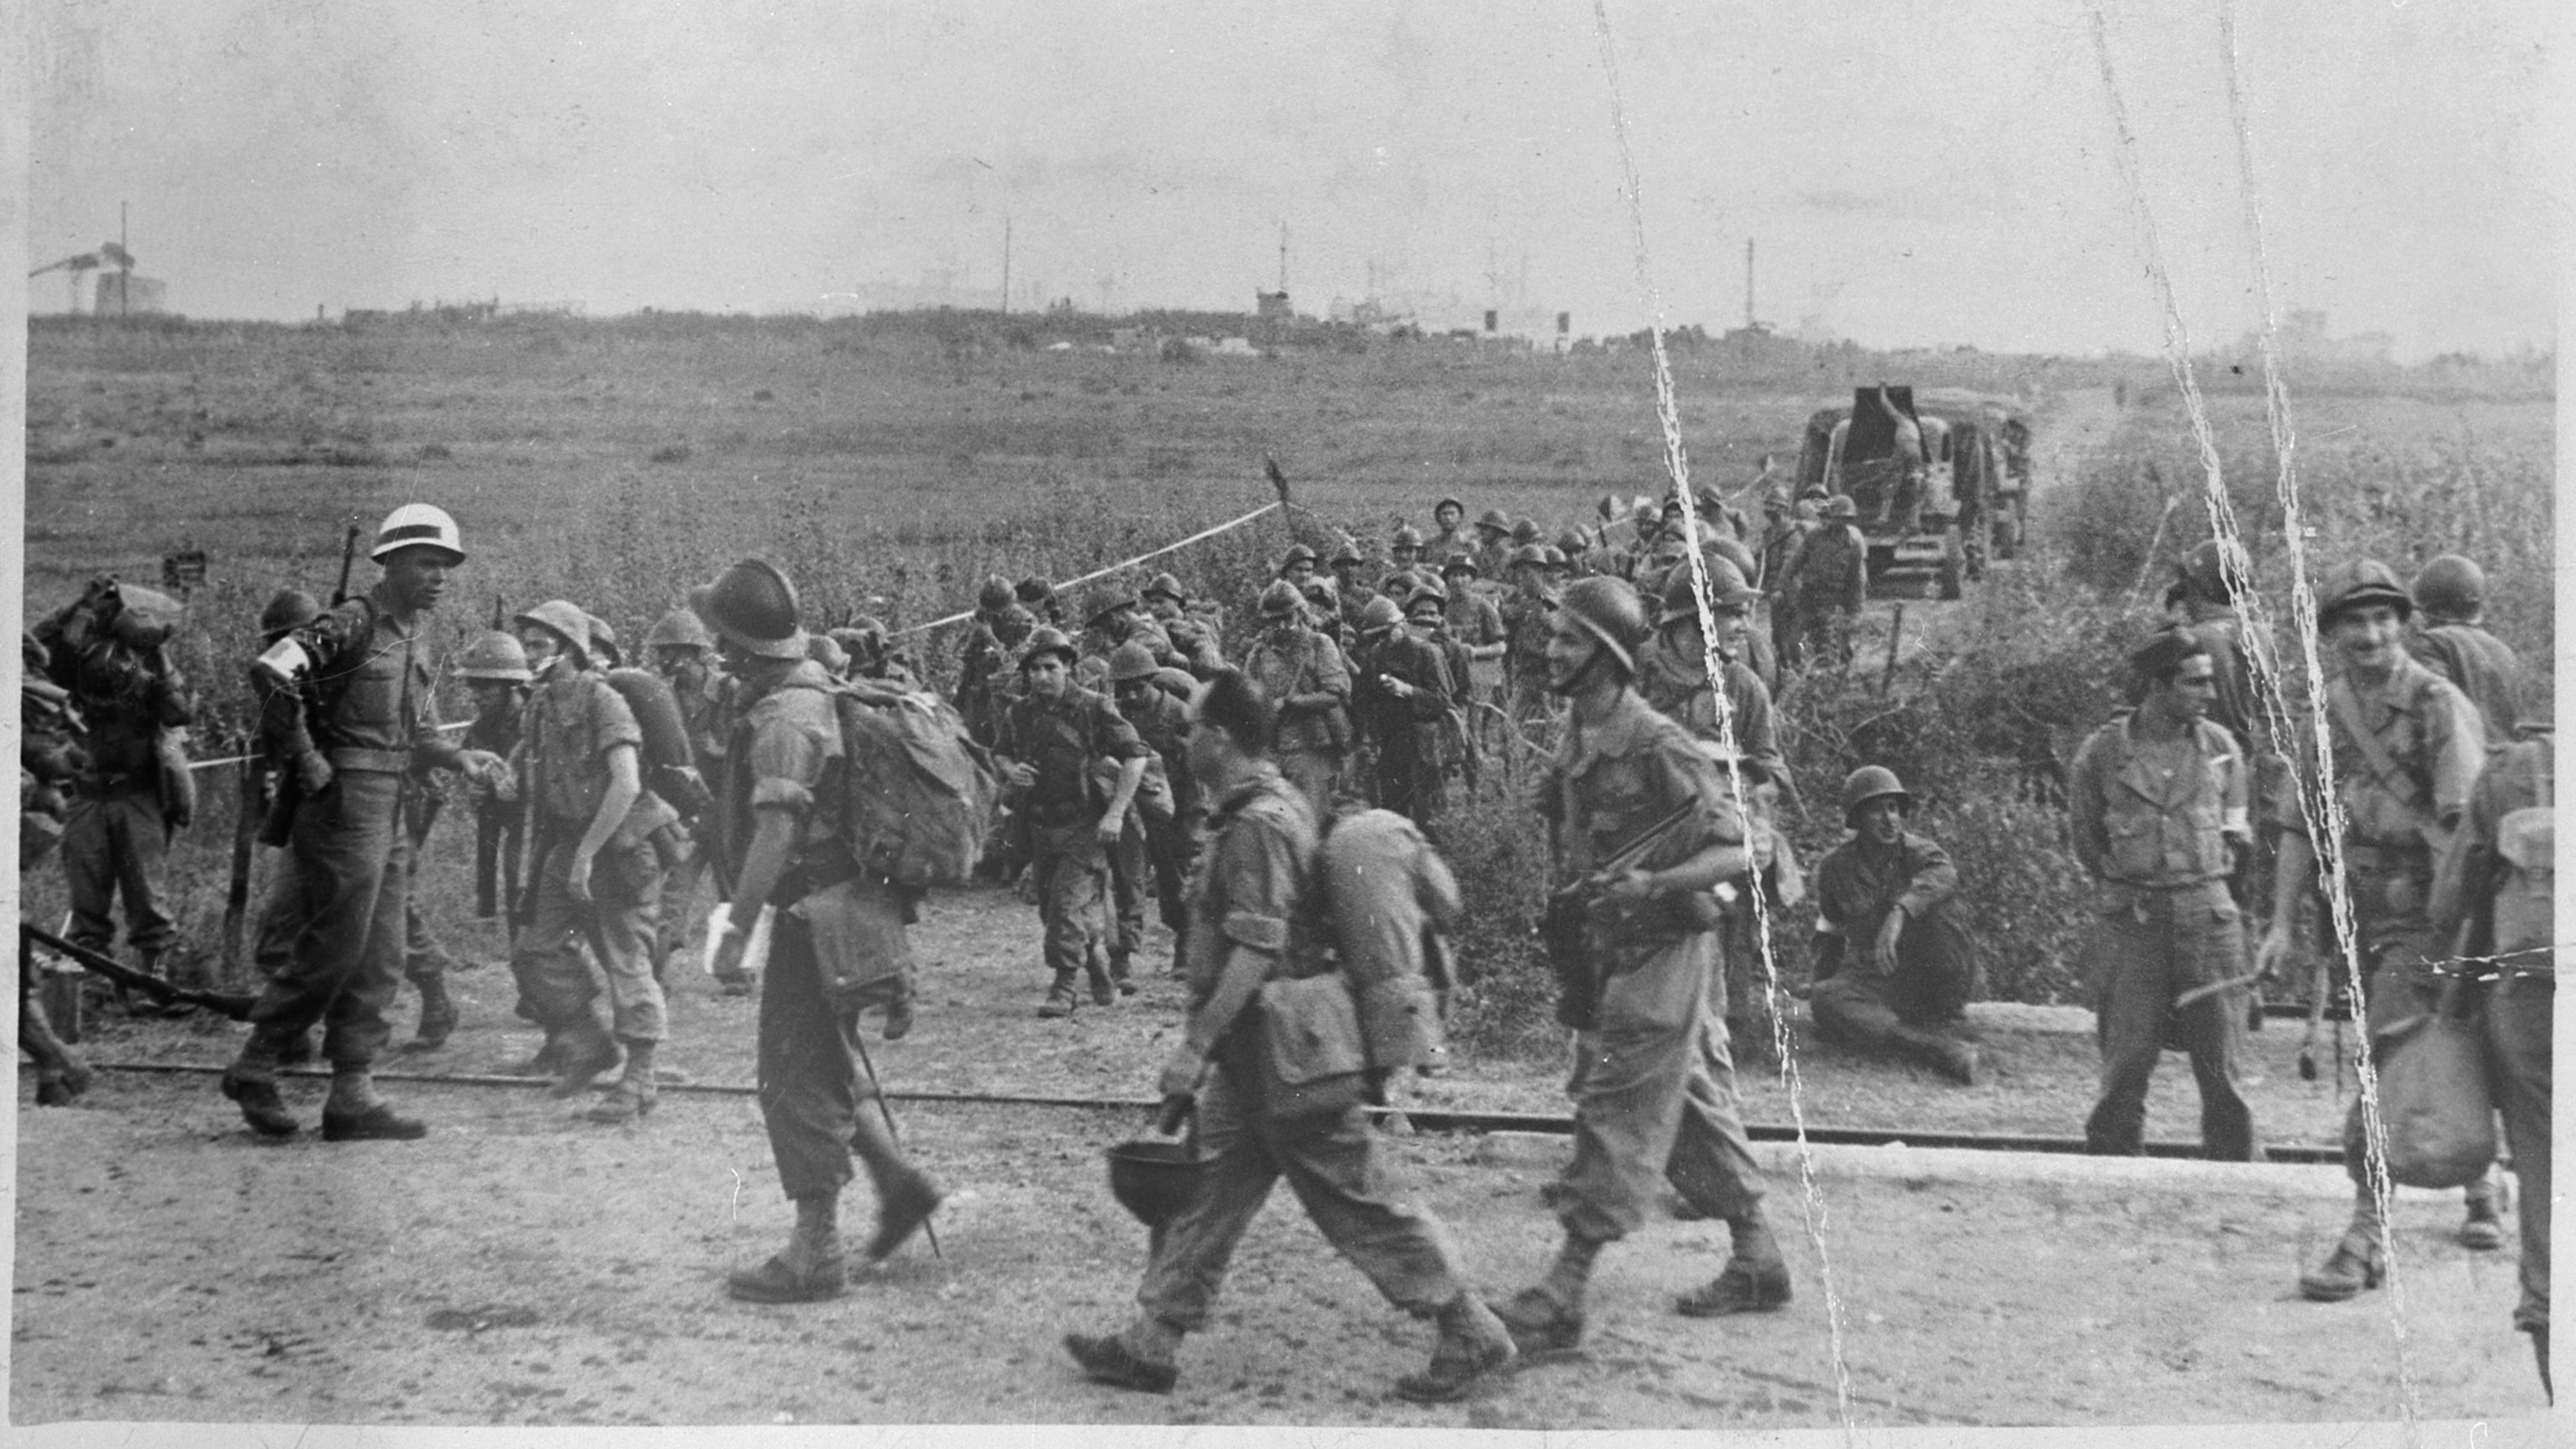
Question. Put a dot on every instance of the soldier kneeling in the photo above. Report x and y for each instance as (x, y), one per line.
(1886, 890)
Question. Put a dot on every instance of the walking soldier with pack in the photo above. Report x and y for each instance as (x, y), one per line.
(1194, 637)
(1528, 617)
(1645, 830)
(1153, 855)
(1052, 740)
(1279, 1051)
(361, 723)
(1302, 672)
(2407, 750)
(839, 929)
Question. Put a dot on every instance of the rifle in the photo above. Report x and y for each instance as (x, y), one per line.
(246, 823)
(233, 1005)
(1562, 926)
(348, 560)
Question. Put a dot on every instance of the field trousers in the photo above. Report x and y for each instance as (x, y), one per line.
(2156, 946)
(350, 863)
(617, 924)
(812, 1087)
(679, 908)
(116, 841)
(1071, 874)
(1152, 859)
(1654, 1100)
(1410, 782)
(1332, 1161)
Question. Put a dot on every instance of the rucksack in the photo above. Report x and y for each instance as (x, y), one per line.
(917, 793)
(668, 765)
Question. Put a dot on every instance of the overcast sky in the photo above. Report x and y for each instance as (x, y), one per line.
(1915, 172)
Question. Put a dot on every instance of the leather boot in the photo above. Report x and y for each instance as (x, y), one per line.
(60, 992)
(587, 1052)
(260, 1105)
(898, 1013)
(2481, 1231)
(2355, 1264)
(1060, 1000)
(632, 1099)
(1473, 1343)
(810, 1269)
(1102, 993)
(437, 1016)
(1142, 1358)
(1120, 964)
(1958, 1060)
(1540, 1323)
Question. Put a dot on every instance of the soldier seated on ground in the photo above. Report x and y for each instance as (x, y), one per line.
(1893, 971)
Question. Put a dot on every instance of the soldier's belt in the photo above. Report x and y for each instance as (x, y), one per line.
(376, 762)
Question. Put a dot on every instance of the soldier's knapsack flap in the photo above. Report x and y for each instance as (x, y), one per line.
(918, 795)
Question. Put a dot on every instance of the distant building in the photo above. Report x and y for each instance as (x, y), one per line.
(123, 294)
(1272, 306)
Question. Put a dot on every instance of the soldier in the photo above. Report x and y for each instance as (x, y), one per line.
(1037, 599)
(369, 723)
(1449, 532)
(1672, 675)
(1826, 584)
(1402, 689)
(2501, 866)
(595, 879)
(1907, 458)
(1297, 565)
(1354, 593)
(1305, 675)
(1576, 547)
(1493, 549)
(873, 654)
(48, 765)
(1780, 535)
(1473, 619)
(1051, 739)
(1324, 611)
(110, 651)
(1653, 1097)
(683, 653)
(998, 627)
(1153, 854)
(2451, 591)
(280, 917)
(1403, 552)
(1431, 623)
(1892, 968)
(2407, 750)
(2158, 800)
(1528, 617)
(1194, 638)
(1253, 931)
(838, 929)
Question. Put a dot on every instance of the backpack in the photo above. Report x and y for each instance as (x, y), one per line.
(917, 794)
(668, 765)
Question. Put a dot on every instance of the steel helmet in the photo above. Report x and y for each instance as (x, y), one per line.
(1525, 531)
(1870, 782)
(2451, 586)
(679, 629)
(754, 605)
(1495, 519)
(1554, 558)
(562, 618)
(994, 595)
(1378, 614)
(1530, 553)
(2205, 568)
(1841, 506)
(494, 654)
(293, 609)
(1090, 671)
(603, 643)
(853, 643)
(1169, 586)
(1573, 541)
(1727, 590)
(1033, 591)
(1426, 585)
(1048, 639)
(2363, 581)
(1609, 610)
(1279, 600)
(1107, 599)
(1131, 660)
(1449, 503)
(1734, 552)
(417, 524)
(1296, 554)
(1348, 553)
(1462, 563)
(1406, 537)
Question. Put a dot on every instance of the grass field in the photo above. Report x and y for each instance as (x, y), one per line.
(888, 467)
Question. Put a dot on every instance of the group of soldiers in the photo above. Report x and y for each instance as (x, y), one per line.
(1205, 785)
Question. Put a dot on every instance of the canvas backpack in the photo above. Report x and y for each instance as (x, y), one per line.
(917, 793)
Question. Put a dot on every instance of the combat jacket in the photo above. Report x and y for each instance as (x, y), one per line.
(1678, 688)
(125, 704)
(981, 667)
(2481, 666)
(1829, 570)
(2505, 846)
(1410, 725)
(571, 722)
(1307, 682)
(1193, 645)
(2435, 743)
(1061, 737)
(1250, 891)
(1474, 620)
(2158, 815)
(1528, 620)
(1163, 723)
(370, 704)
(1608, 783)
(779, 752)
(1355, 601)
(1858, 883)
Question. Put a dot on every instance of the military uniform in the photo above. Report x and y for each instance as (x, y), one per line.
(116, 836)
(2482, 667)
(1061, 738)
(2152, 821)
(1827, 585)
(1527, 621)
(1653, 1099)
(2503, 851)
(1407, 725)
(1307, 679)
(985, 663)
(574, 721)
(1153, 855)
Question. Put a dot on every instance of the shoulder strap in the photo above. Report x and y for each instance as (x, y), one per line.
(2347, 712)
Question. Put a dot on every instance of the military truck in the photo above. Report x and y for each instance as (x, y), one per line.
(1990, 438)
(1948, 508)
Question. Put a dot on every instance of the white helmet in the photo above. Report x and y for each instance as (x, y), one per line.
(417, 523)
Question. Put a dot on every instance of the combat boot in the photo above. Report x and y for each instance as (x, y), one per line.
(2481, 1231)
(437, 1016)
(260, 1105)
(1060, 1000)
(1541, 1324)
(1102, 993)
(1144, 1357)
(587, 1052)
(1473, 1343)
(353, 1112)
(1121, 963)
(634, 1096)
(1958, 1060)
(1754, 1280)
(811, 1268)
(2356, 1263)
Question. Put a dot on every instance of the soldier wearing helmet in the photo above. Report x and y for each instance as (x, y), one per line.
(1673, 675)
(1347, 584)
(1449, 531)
(2451, 593)
(1038, 597)
(1153, 855)
(1893, 970)
(2158, 803)
(999, 626)
(2501, 868)
(1403, 551)
(1324, 609)
(357, 724)
(1653, 1098)
(1826, 584)
(1297, 565)
(837, 931)
(1193, 637)
(1527, 616)
(1494, 544)
(1060, 745)
(1304, 675)
(1426, 612)
(1474, 621)
(1401, 696)
(683, 652)
(2407, 748)
(1113, 613)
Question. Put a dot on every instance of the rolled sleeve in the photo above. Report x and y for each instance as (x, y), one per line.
(1112, 737)
(2457, 735)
